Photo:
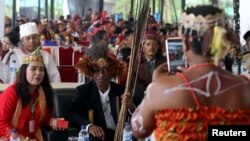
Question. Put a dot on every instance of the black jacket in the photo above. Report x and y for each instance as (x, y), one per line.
(87, 99)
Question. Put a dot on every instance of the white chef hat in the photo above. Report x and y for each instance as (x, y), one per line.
(28, 29)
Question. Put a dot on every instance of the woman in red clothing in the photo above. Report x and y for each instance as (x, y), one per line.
(27, 104)
(180, 107)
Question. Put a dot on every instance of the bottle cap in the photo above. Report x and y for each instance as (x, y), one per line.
(14, 130)
(127, 123)
(83, 127)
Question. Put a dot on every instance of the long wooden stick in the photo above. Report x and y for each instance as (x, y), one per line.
(133, 63)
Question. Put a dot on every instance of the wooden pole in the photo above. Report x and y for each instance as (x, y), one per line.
(133, 64)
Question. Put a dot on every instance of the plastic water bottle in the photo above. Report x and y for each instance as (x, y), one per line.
(235, 67)
(80, 78)
(59, 40)
(14, 135)
(243, 68)
(127, 132)
(83, 134)
(42, 40)
(119, 55)
(13, 70)
(67, 41)
(222, 64)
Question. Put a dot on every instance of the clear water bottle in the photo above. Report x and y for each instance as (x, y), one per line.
(59, 40)
(13, 70)
(83, 134)
(243, 68)
(235, 67)
(119, 55)
(127, 132)
(80, 78)
(222, 64)
(67, 41)
(14, 135)
(42, 40)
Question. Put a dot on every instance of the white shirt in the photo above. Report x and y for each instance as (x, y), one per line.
(18, 54)
(4, 73)
(107, 109)
(110, 124)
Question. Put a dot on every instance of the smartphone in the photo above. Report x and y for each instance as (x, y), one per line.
(174, 54)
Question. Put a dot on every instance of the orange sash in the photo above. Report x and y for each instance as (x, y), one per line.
(18, 111)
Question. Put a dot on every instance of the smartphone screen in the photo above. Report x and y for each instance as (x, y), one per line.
(174, 54)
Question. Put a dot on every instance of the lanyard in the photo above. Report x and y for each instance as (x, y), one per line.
(32, 106)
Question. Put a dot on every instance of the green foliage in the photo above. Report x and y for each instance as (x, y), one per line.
(58, 10)
(8, 11)
(8, 8)
(170, 15)
(122, 6)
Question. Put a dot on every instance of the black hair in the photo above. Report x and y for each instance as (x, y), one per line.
(126, 51)
(154, 28)
(163, 31)
(23, 90)
(68, 17)
(202, 10)
(128, 32)
(17, 30)
(61, 18)
(13, 37)
(97, 25)
(36, 21)
(7, 25)
(75, 39)
(98, 36)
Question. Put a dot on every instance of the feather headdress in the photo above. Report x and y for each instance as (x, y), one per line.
(96, 58)
(34, 56)
(197, 20)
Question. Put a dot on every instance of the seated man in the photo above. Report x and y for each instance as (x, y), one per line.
(31, 41)
(98, 101)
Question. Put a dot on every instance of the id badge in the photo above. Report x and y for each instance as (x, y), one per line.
(31, 126)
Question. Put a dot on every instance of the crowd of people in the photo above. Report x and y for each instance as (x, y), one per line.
(168, 106)
(76, 31)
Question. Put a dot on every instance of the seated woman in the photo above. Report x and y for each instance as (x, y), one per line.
(10, 40)
(181, 106)
(27, 104)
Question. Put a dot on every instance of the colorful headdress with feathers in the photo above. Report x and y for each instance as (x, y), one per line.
(34, 56)
(96, 58)
(197, 20)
